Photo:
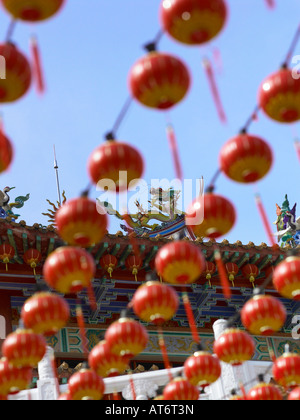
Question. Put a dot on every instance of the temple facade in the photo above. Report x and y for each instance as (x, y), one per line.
(113, 289)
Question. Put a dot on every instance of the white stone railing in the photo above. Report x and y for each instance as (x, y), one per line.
(146, 384)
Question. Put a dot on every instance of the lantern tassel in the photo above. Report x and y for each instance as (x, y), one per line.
(270, 4)
(264, 219)
(223, 275)
(164, 352)
(297, 147)
(81, 325)
(174, 150)
(37, 66)
(242, 388)
(213, 86)
(132, 386)
(190, 316)
(92, 297)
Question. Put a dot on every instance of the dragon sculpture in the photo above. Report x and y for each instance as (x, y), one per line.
(288, 227)
(6, 207)
(163, 208)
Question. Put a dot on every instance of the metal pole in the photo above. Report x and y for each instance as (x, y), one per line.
(57, 178)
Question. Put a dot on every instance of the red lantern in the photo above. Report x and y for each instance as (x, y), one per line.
(159, 80)
(263, 315)
(81, 222)
(250, 271)
(24, 348)
(134, 263)
(246, 158)
(193, 22)
(12, 379)
(264, 392)
(18, 74)
(286, 278)
(115, 165)
(6, 152)
(234, 347)
(155, 302)
(45, 313)
(294, 395)
(181, 390)
(202, 369)
(279, 96)
(232, 270)
(86, 385)
(109, 262)
(210, 216)
(126, 337)
(105, 363)
(7, 252)
(180, 262)
(32, 257)
(65, 397)
(286, 370)
(69, 269)
(32, 10)
(209, 270)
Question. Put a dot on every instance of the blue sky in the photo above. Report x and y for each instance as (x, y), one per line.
(88, 50)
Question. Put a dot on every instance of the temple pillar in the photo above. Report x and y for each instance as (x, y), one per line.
(5, 316)
(48, 386)
(231, 376)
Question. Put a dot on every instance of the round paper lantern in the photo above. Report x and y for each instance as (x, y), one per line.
(32, 257)
(155, 302)
(210, 216)
(105, 363)
(109, 262)
(286, 370)
(159, 80)
(32, 10)
(18, 74)
(193, 22)
(263, 315)
(115, 165)
(232, 270)
(81, 222)
(126, 337)
(234, 347)
(181, 389)
(246, 158)
(45, 313)
(286, 278)
(202, 369)
(6, 152)
(279, 96)
(86, 385)
(7, 252)
(134, 263)
(250, 271)
(294, 395)
(179, 262)
(209, 270)
(24, 348)
(69, 269)
(13, 379)
(65, 397)
(264, 392)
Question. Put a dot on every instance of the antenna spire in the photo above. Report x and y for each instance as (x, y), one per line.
(57, 178)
